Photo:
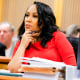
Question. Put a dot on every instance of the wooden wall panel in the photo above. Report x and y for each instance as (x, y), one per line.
(71, 13)
(58, 7)
(1, 9)
(13, 10)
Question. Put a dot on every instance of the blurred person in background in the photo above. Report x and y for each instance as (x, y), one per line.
(73, 33)
(63, 31)
(6, 36)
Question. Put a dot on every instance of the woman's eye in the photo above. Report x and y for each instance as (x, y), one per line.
(26, 15)
(35, 16)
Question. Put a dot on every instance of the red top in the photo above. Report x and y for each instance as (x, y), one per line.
(58, 49)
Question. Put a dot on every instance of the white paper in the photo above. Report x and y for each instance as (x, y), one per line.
(40, 62)
(40, 76)
(71, 72)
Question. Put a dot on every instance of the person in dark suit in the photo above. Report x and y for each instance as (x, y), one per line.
(2, 49)
(72, 34)
(74, 43)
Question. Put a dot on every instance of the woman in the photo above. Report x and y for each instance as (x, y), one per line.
(45, 41)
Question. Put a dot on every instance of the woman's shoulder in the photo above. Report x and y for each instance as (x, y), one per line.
(59, 34)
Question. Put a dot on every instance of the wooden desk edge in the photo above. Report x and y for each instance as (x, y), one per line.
(5, 59)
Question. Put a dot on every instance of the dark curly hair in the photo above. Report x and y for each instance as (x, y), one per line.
(47, 17)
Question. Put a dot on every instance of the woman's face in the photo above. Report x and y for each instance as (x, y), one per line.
(31, 19)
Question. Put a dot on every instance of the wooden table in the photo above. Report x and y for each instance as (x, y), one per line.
(4, 62)
(5, 59)
(14, 78)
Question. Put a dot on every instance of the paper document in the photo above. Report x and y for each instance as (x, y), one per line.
(39, 68)
(40, 62)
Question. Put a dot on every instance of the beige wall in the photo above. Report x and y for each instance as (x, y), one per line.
(13, 10)
(71, 13)
(67, 11)
(1, 9)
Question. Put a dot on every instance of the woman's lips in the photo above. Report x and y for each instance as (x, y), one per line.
(28, 26)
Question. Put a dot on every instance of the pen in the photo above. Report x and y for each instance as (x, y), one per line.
(30, 33)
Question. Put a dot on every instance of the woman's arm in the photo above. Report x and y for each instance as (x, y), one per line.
(14, 64)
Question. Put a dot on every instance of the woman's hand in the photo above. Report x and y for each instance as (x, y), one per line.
(27, 38)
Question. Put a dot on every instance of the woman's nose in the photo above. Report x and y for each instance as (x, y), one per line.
(28, 19)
